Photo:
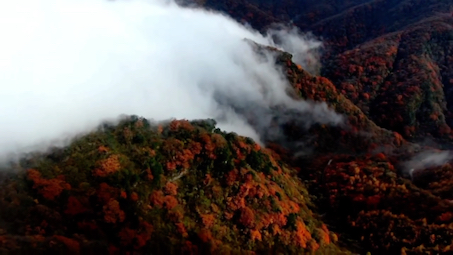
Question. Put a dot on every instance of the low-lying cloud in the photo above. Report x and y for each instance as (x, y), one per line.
(306, 54)
(425, 160)
(67, 65)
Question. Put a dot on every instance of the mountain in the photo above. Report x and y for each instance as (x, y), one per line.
(380, 182)
(385, 56)
(406, 72)
(178, 188)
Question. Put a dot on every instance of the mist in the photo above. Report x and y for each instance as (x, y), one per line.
(425, 160)
(306, 54)
(68, 65)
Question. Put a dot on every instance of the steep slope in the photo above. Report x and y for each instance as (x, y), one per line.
(407, 74)
(385, 56)
(179, 188)
(365, 196)
(358, 134)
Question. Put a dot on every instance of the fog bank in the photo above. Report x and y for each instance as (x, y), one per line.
(67, 65)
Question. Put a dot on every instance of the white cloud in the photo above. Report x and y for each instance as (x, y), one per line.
(67, 65)
(425, 160)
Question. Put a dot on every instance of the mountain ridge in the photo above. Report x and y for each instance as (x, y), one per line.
(370, 183)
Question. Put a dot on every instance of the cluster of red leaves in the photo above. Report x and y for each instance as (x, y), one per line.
(108, 166)
(177, 125)
(113, 212)
(179, 155)
(48, 188)
(158, 199)
(208, 145)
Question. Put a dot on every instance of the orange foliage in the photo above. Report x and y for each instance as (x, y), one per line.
(325, 238)
(217, 191)
(171, 189)
(179, 156)
(170, 202)
(157, 198)
(232, 177)
(236, 203)
(276, 229)
(256, 147)
(218, 140)
(113, 212)
(244, 190)
(255, 235)
(149, 174)
(171, 166)
(209, 146)
(313, 245)
(228, 215)
(181, 229)
(398, 139)
(295, 208)
(302, 236)
(103, 149)
(108, 166)
(207, 180)
(195, 147)
(247, 217)
(49, 189)
(279, 219)
(261, 191)
(208, 220)
(175, 125)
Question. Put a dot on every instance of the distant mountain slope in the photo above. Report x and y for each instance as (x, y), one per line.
(342, 24)
(402, 81)
(385, 56)
(358, 134)
(261, 13)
